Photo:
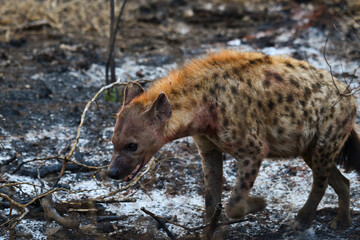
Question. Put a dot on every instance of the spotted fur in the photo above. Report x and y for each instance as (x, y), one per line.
(251, 106)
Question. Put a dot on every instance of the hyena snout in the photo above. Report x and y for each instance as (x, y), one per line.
(117, 169)
(114, 173)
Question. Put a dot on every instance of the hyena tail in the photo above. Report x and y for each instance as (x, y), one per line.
(349, 157)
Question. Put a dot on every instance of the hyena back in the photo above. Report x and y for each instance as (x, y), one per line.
(251, 106)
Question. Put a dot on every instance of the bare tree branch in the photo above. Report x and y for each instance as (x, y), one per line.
(214, 222)
(161, 223)
(51, 214)
(348, 91)
(113, 32)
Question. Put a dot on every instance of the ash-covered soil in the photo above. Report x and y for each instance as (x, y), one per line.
(47, 77)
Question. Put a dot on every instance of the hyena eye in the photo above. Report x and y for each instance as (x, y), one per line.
(131, 147)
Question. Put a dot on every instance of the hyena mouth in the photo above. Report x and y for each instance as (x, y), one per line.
(134, 172)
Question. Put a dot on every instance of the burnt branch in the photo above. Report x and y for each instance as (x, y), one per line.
(82, 120)
(51, 214)
(348, 90)
(76, 140)
(37, 159)
(214, 222)
(160, 222)
(132, 183)
(113, 31)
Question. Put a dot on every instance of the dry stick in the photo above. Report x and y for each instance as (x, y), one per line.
(230, 222)
(214, 222)
(324, 54)
(132, 183)
(111, 55)
(37, 159)
(18, 183)
(353, 76)
(161, 223)
(19, 205)
(347, 91)
(82, 119)
(67, 158)
(51, 214)
(113, 33)
(17, 220)
(338, 30)
(14, 222)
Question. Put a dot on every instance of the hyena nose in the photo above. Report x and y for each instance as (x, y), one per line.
(114, 173)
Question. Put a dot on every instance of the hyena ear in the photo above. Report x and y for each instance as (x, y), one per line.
(131, 91)
(161, 108)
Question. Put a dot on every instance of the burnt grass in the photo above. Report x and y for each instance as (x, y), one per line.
(56, 97)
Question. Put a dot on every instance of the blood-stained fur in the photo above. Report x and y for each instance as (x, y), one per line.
(251, 106)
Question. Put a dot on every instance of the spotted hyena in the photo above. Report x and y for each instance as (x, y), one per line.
(251, 106)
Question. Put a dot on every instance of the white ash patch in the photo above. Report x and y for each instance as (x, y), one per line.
(60, 133)
(95, 75)
(235, 42)
(187, 209)
(278, 51)
(6, 149)
(25, 188)
(126, 72)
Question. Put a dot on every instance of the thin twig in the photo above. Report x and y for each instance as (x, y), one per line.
(161, 223)
(230, 222)
(82, 119)
(13, 203)
(68, 156)
(19, 205)
(37, 159)
(214, 222)
(331, 72)
(132, 182)
(347, 92)
(17, 220)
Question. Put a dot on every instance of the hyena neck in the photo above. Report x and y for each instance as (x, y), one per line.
(183, 122)
(189, 115)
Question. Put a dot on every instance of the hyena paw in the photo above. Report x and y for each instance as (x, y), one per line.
(235, 209)
(340, 223)
(238, 209)
(303, 219)
(255, 204)
(298, 226)
(301, 224)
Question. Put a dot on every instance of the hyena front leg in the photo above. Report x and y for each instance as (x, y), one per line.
(212, 165)
(240, 203)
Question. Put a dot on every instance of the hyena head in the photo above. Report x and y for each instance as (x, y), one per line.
(138, 133)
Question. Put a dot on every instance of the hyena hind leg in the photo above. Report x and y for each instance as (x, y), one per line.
(341, 186)
(321, 170)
